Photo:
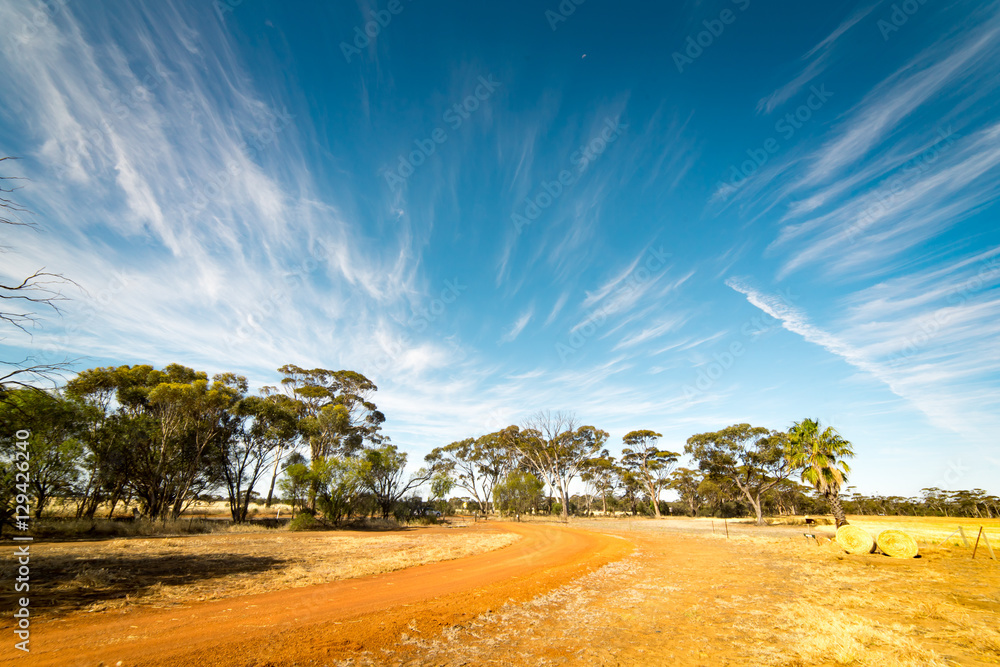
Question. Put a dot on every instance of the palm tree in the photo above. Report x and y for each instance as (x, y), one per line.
(820, 455)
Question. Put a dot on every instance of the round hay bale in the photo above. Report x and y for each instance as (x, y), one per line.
(896, 543)
(855, 540)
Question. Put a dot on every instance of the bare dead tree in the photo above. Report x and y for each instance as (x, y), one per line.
(21, 299)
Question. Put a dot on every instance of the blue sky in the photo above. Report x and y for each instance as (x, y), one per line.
(669, 217)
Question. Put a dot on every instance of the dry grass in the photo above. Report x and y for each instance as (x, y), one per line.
(759, 598)
(932, 530)
(198, 508)
(868, 610)
(120, 573)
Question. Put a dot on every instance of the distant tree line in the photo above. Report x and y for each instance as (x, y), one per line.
(160, 439)
(933, 501)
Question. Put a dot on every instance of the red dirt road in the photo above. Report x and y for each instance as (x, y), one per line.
(320, 624)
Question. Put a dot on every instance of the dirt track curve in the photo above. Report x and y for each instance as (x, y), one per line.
(319, 624)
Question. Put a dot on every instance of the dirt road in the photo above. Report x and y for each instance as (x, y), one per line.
(318, 624)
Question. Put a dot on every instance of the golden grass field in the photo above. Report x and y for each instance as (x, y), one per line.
(933, 530)
(765, 596)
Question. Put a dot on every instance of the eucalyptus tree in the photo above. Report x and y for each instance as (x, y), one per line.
(263, 426)
(650, 464)
(382, 472)
(517, 493)
(552, 445)
(116, 431)
(821, 456)
(286, 447)
(441, 485)
(53, 447)
(459, 461)
(754, 459)
(340, 486)
(602, 474)
(719, 493)
(198, 412)
(476, 464)
(687, 483)
(631, 488)
(337, 415)
(168, 421)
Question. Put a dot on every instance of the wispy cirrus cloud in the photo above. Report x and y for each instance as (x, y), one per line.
(904, 208)
(816, 61)
(935, 351)
(954, 61)
(511, 334)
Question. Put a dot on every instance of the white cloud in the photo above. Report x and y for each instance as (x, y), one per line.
(515, 330)
(936, 356)
(817, 59)
(899, 96)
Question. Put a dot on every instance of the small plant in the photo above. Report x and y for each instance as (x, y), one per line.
(303, 521)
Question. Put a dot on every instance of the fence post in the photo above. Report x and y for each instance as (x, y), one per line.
(986, 541)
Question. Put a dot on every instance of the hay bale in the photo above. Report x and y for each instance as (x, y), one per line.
(855, 540)
(896, 543)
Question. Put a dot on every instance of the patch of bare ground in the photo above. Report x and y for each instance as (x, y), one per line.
(164, 572)
(750, 600)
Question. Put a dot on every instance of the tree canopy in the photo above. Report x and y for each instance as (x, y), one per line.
(752, 458)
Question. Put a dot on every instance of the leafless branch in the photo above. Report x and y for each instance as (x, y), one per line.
(9, 205)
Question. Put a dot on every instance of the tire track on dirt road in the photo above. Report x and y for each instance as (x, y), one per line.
(323, 623)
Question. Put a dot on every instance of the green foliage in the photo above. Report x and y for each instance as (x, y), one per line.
(261, 428)
(295, 485)
(553, 447)
(518, 492)
(381, 473)
(337, 416)
(441, 485)
(175, 420)
(339, 484)
(820, 454)
(753, 459)
(687, 484)
(602, 474)
(303, 521)
(650, 465)
(475, 464)
(53, 449)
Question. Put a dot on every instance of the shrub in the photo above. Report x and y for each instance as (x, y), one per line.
(303, 521)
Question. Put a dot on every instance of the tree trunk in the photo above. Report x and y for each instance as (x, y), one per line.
(40, 505)
(274, 477)
(114, 502)
(838, 511)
